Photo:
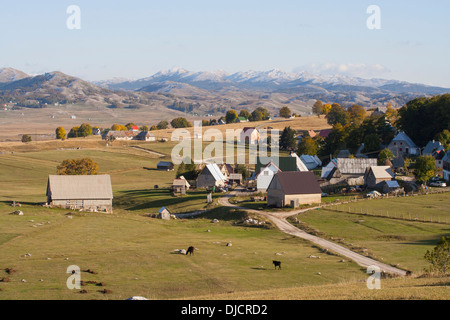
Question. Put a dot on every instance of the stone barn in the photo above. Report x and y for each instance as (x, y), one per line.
(293, 189)
(87, 193)
(211, 176)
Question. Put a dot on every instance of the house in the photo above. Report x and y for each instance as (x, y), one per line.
(86, 193)
(402, 145)
(241, 120)
(436, 150)
(432, 147)
(446, 166)
(390, 186)
(293, 189)
(283, 163)
(226, 169)
(165, 166)
(329, 169)
(324, 133)
(374, 176)
(164, 214)
(134, 128)
(311, 162)
(250, 135)
(299, 163)
(96, 132)
(265, 175)
(222, 121)
(180, 185)
(235, 178)
(211, 176)
(312, 133)
(145, 136)
(349, 171)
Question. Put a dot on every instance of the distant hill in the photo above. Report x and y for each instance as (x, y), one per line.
(208, 93)
(9, 75)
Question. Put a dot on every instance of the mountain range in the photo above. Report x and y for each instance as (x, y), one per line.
(209, 92)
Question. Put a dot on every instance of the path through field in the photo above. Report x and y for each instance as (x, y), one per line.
(279, 219)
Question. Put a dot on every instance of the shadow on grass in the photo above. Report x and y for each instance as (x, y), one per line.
(135, 200)
(430, 241)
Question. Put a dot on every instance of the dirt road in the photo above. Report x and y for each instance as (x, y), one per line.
(279, 219)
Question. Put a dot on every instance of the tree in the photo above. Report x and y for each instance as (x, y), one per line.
(154, 128)
(129, 125)
(26, 138)
(372, 143)
(318, 108)
(85, 166)
(144, 128)
(245, 114)
(74, 132)
(384, 156)
(179, 123)
(118, 127)
(424, 168)
(260, 114)
(162, 125)
(85, 130)
(444, 138)
(242, 169)
(326, 108)
(60, 133)
(423, 118)
(356, 114)
(337, 115)
(307, 146)
(231, 116)
(439, 258)
(334, 142)
(287, 139)
(285, 112)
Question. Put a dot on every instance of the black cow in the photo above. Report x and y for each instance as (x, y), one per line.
(277, 264)
(190, 251)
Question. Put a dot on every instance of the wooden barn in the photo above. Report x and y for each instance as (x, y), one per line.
(211, 176)
(87, 193)
(375, 175)
(165, 166)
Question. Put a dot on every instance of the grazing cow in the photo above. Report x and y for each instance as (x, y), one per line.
(277, 264)
(190, 251)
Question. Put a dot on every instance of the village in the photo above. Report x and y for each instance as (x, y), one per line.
(127, 180)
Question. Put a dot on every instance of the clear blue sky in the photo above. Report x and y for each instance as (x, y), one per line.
(137, 38)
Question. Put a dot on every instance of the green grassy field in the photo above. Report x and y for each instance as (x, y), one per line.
(395, 241)
(133, 253)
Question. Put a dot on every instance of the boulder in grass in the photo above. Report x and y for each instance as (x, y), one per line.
(17, 213)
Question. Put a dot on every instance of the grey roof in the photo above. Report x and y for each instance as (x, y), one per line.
(79, 187)
(392, 184)
(446, 157)
(402, 136)
(355, 166)
(432, 147)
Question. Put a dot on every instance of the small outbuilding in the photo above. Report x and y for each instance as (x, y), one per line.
(165, 166)
(180, 185)
(375, 175)
(164, 214)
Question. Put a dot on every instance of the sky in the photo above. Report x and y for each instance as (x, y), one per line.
(137, 38)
